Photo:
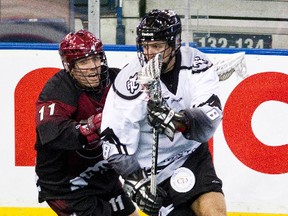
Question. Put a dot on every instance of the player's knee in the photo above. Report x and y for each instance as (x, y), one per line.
(210, 204)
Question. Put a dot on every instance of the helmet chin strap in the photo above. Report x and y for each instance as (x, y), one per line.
(165, 68)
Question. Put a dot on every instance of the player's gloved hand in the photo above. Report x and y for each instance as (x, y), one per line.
(139, 192)
(165, 120)
(91, 129)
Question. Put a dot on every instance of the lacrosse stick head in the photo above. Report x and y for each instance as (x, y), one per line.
(234, 63)
(151, 70)
(149, 77)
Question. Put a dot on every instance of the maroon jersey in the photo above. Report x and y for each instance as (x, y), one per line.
(65, 167)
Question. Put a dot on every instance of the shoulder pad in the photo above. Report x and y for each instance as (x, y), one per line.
(126, 83)
(195, 60)
(60, 87)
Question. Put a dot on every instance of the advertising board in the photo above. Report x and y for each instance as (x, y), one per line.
(250, 147)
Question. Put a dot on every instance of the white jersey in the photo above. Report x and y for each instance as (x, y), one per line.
(125, 111)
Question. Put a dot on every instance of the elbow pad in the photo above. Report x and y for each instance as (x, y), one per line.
(203, 122)
(124, 165)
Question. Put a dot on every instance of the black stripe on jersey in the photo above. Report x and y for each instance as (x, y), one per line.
(126, 97)
(109, 136)
(195, 71)
(213, 101)
(185, 68)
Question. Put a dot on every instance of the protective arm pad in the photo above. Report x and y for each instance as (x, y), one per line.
(124, 165)
(203, 122)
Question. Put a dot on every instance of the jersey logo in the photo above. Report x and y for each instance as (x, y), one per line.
(213, 114)
(200, 65)
(82, 180)
(182, 180)
(132, 85)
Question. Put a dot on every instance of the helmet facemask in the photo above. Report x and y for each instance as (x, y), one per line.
(166, 50)
(91, 73)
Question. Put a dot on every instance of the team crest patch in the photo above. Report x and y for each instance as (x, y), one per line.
(182, 180)
(200, 64)
(132, 84)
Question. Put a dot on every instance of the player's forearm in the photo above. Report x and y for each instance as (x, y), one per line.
(124, 165)
(64, 136)
(203, 120)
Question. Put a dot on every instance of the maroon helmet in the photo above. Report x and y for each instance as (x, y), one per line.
(79, 45)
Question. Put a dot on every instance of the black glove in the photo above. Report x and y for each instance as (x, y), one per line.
(165, 120)
(139, 192)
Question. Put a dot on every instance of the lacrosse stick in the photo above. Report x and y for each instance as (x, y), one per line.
(234, 63)
(149, 77)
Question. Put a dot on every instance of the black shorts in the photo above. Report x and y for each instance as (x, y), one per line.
(197, 176)
(120, 205)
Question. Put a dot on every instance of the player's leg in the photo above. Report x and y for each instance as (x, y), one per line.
(60, 207)
(206, 191)
(80, 206)
(209, 200)
(208, 204)
(181, 210)
(91, 205)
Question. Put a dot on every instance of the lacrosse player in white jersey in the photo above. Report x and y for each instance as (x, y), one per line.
(186, 118)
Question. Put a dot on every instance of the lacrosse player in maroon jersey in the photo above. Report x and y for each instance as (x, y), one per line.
(186, 118)
(71, 174)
